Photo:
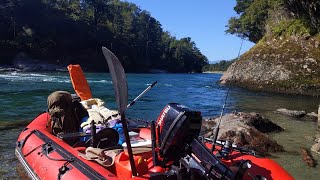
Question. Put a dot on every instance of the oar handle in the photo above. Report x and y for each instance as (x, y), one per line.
(153, 84)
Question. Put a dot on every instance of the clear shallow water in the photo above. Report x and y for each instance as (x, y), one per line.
(23, 96)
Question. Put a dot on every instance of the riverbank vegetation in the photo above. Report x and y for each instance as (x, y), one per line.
(285, 58)
(73, 31)
(264, 20)
(219, 66)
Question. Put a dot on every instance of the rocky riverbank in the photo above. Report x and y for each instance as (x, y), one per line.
(245, 130)
(250, 130)
(289, 65)
(22, 62)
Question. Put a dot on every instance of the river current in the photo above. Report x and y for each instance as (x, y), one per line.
(24, 95)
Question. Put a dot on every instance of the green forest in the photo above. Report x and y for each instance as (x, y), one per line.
(219, 66)
(73, 31)
(259, 19)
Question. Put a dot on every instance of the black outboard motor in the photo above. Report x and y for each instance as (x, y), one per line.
(178, 129)
(178, 126)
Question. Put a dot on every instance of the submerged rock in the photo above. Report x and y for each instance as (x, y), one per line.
(307, 157)
(246, 130)
(293, 113)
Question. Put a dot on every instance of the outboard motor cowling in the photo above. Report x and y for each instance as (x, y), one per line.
(178, 127)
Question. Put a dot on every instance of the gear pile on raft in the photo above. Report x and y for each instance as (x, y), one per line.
(79, 138)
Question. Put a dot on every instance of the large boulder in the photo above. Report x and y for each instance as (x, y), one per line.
(245, 130)
(288, 65)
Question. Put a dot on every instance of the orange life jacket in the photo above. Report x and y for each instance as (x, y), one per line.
(79, 82)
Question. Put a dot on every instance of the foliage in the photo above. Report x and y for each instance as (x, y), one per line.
(291, 27)
(250, 24)
(220, 66)
(283, 17)
(308, 11)
(73, 31)
(242, 5)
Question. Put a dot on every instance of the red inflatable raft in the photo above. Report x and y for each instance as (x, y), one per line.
(174, 150)
(45, 156)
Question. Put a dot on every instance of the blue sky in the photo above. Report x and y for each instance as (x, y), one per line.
(204, 21)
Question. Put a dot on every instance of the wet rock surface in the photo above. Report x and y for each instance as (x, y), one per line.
(245, 130)
(316, 148)
(311, 117)
(293, 113)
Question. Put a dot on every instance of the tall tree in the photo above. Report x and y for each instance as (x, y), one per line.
(252, 20)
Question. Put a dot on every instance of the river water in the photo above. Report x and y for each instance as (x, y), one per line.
(23, 96)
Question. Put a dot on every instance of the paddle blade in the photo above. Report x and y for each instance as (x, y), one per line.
(118, 79)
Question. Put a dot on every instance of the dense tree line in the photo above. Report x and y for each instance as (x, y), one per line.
(219, 66)
(73, 31)
(257, 18)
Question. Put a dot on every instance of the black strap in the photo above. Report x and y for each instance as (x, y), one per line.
(47, 149)
(21, 143)
(83, 167)
(27, 154)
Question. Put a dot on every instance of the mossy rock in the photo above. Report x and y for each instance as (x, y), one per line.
(289, 65)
